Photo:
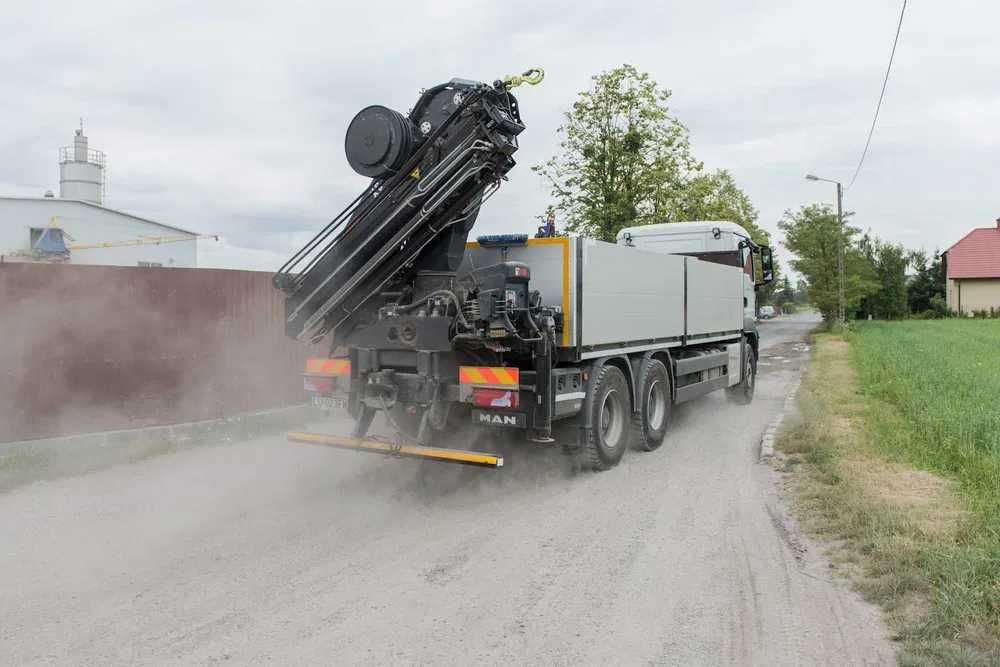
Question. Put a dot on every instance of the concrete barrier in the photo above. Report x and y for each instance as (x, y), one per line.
(53, 458)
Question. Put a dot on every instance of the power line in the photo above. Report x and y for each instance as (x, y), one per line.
(878, 107)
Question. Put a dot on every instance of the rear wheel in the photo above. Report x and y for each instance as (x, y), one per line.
(742, 393)
(604, 443)
(653, 417)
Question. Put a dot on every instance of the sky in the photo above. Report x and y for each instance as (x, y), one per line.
(228, 117)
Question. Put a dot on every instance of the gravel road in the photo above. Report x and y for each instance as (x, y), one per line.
(268, 552)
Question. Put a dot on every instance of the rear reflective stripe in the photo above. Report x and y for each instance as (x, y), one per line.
(497, 375)
(328, 366)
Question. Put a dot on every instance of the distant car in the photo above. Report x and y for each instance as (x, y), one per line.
(766, 312)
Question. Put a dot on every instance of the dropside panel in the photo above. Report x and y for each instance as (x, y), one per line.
(629, 294)
(715, 298)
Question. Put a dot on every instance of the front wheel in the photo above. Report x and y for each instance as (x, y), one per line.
(742, 392)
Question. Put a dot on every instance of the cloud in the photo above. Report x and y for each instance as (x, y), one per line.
(228, 118)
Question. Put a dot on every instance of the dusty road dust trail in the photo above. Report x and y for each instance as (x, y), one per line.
(267, 552)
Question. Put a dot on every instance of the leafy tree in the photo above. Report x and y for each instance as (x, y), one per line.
(888, 263)
(928, 281)
(815, 236)
(801, 291)
(784, 293)
(624, 161)
(623, 158)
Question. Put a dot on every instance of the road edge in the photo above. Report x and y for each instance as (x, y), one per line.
(26, 461)
(770, 434)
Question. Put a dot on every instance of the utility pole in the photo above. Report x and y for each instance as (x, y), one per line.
(841, 249)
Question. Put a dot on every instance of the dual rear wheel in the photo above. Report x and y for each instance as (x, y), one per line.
(651, 420)
(612, 420)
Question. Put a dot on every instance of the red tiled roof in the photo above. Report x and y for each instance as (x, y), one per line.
(977, 255)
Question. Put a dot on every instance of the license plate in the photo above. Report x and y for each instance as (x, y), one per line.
(330, 402)
(490, 418)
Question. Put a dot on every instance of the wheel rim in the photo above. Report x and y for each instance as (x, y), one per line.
(612, 420)
(656, 408)
(750, 375)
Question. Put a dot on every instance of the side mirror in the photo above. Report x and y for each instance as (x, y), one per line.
(766, 265)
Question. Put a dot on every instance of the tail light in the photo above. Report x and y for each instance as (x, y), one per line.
(483, 397)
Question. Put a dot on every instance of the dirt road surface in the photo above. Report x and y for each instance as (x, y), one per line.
(269, 552)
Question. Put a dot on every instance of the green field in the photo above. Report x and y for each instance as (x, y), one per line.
(897, 460)
(931, 396)
(944, 378)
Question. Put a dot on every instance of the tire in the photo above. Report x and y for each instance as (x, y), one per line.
(651, 421)
(742, 393)
(604, 444)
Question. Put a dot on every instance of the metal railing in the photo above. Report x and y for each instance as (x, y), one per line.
(68, 154)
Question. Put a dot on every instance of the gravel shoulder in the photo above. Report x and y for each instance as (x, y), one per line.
(266, 551)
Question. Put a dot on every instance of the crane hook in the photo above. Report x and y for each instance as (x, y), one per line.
(531, 77)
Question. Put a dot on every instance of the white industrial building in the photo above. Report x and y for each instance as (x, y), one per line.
(77, 228)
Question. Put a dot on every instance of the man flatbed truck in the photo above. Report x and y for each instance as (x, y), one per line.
(508, 332)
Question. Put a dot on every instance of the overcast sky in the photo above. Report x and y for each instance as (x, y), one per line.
(229, 118)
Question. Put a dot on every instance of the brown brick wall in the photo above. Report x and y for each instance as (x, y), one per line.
(95, 348)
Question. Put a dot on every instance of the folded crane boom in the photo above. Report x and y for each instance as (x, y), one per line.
(431, 170)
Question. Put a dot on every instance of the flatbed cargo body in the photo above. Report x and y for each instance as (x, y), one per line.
(617, 299)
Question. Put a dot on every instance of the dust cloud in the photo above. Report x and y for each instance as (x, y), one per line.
(94, 349)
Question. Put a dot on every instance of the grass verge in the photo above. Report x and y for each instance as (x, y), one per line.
(913, 537)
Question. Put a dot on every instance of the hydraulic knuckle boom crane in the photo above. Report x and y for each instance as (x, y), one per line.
(381, 278)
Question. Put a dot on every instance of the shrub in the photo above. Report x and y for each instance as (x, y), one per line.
(939, 306)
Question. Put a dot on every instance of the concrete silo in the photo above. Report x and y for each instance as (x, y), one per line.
(82, 172)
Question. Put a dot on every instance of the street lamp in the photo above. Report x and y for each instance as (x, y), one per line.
(840, 255)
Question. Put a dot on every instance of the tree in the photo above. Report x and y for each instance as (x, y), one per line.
(814, 235)
(928, 281)
(888, 263)
(623, 161)
(784, 293)
(801, 291)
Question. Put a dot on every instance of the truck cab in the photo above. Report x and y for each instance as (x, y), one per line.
(717, 241)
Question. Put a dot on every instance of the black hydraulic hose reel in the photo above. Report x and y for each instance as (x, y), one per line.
(379, 141)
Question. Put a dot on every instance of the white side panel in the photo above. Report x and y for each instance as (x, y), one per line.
(715, 297)
(630, 294)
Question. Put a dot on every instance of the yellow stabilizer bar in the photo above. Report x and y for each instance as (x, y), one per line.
(411, 451)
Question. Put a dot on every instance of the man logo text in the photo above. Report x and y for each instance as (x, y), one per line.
(497, 420)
